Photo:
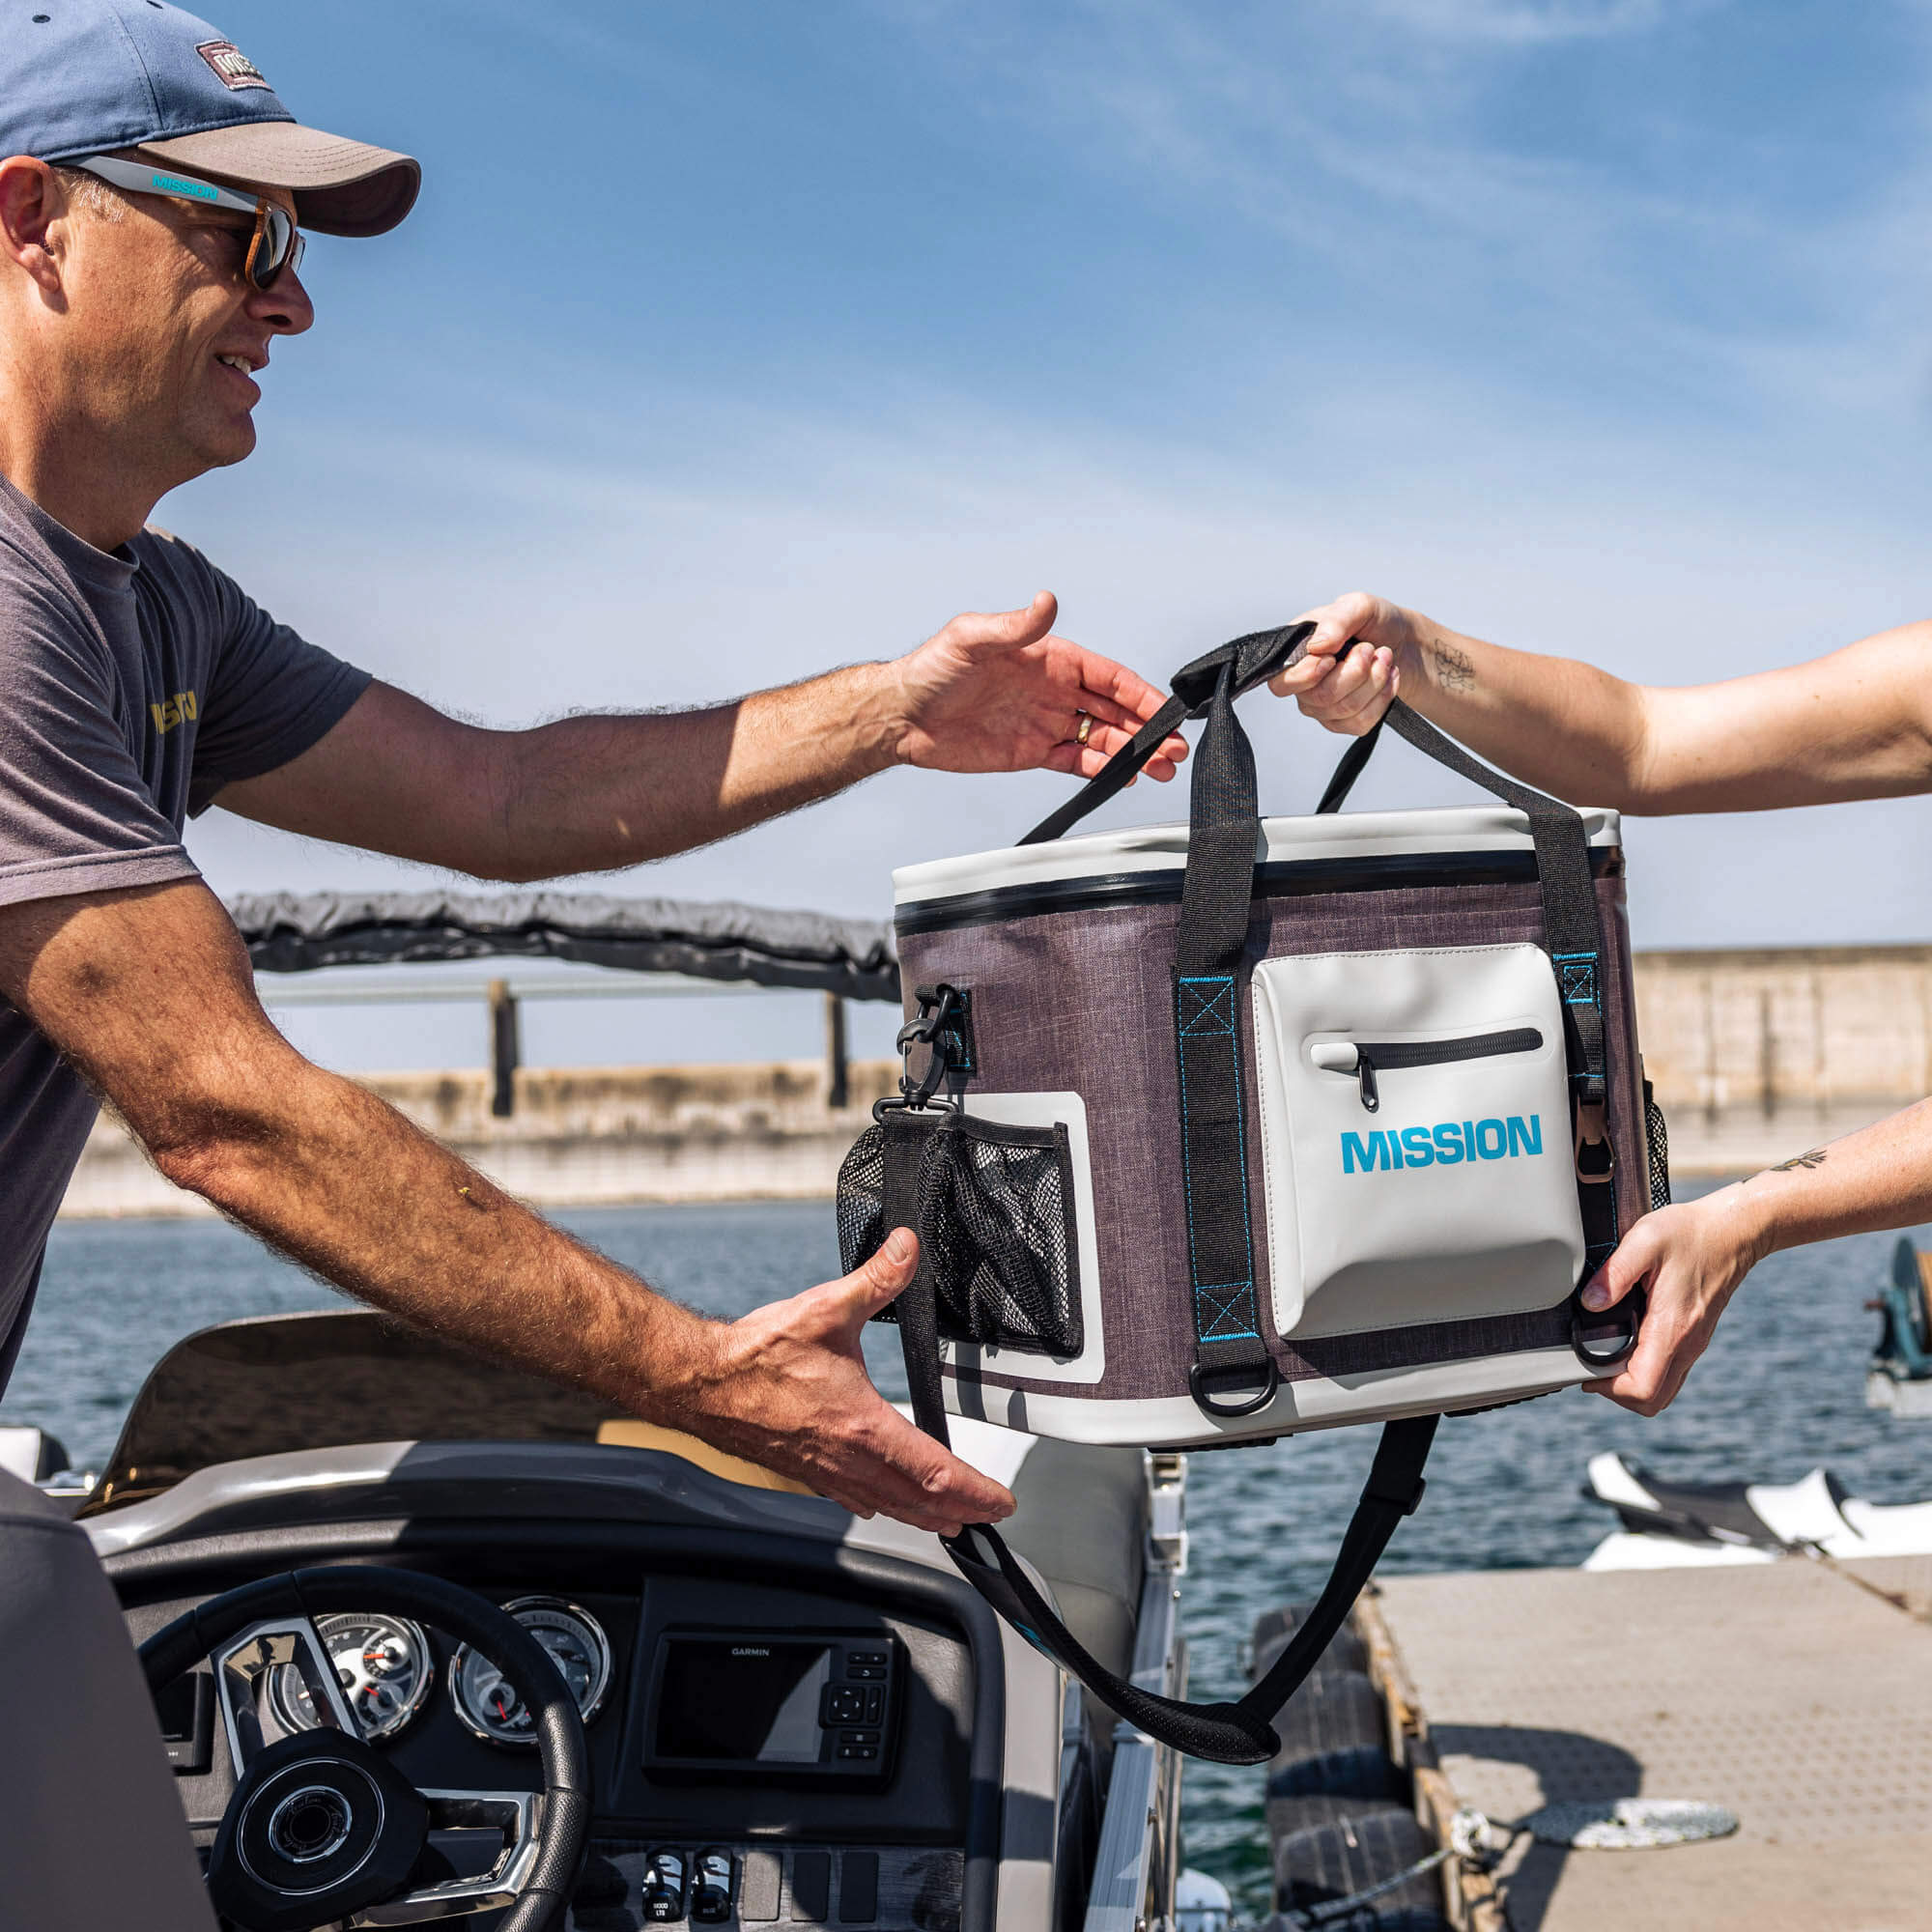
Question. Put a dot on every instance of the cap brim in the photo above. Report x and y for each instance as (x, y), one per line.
(340, 186)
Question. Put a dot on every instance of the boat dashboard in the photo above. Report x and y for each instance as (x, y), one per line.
(792, 1717)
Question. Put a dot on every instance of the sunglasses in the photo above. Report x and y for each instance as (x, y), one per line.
(277, 244)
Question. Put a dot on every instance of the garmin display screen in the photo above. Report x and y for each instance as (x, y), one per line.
(730, 1700)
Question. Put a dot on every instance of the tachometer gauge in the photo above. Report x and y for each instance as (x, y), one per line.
(382, 1664)
(492, 1705)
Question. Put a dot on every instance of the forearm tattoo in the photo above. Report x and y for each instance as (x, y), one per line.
(1815, 1158)
(1451, 667)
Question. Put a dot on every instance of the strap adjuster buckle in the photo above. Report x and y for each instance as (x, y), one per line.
(1595, 1154)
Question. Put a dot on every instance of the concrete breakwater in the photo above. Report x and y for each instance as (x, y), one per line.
(1759, 1054)
(586, 1136)
(1756, 1056)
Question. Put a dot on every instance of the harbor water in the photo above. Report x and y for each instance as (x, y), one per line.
(1781, 1390)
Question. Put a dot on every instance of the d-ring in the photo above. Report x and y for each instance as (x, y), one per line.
(1086, 725)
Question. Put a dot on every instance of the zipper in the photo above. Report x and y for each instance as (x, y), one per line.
(1363, 1057)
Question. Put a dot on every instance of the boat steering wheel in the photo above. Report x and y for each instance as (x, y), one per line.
(322, 1829)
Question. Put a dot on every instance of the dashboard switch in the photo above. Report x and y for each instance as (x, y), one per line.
(711, 1887)
(811, 1886)
(663, 1899)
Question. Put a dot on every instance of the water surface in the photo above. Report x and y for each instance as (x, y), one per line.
(1780, 1392)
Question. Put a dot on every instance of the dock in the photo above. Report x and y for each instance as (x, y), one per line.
(1798, 1694)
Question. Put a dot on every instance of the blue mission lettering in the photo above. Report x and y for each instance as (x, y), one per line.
(1442, 1146)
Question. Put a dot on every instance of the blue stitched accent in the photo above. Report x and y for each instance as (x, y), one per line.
(1207, 1019)
(1218, 1302)
(1223, 1299)
(1577, 978)
(1241, 1142)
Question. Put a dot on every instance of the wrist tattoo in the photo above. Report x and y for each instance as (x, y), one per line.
(1814, 1159)
(1451, 667)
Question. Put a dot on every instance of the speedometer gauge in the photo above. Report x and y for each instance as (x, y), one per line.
(492, 1706)
(382, 1664)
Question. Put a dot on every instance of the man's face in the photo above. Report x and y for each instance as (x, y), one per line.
(169, 330)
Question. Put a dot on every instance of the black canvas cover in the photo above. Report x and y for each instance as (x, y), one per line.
(298, 932)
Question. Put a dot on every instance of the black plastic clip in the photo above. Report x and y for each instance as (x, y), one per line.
(944, 1025)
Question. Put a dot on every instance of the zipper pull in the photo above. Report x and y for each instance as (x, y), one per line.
(1344, 1056)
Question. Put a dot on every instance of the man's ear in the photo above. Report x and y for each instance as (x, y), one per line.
(31, 202)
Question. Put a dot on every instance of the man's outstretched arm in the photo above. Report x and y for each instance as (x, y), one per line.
(1853, 725)
(150, 993)
(585, 794)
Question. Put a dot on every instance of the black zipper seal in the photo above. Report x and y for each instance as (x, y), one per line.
(1395, 1055)
(1279, 878)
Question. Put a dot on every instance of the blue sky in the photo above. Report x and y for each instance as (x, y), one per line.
(731, 342)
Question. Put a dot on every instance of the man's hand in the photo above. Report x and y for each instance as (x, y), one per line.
(786, 1386)
(1003, 694)
(1349, 694)
(1690, 1259)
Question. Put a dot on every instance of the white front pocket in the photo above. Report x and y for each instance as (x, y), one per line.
(1415, 1135)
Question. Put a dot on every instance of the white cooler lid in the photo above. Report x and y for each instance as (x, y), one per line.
(1163, 848)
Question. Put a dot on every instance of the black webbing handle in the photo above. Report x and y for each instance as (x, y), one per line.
(1254, 659)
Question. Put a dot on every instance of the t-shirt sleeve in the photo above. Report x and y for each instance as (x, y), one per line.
(271, 693)
(76, 813)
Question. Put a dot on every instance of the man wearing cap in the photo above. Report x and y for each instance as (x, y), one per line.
(153, 187)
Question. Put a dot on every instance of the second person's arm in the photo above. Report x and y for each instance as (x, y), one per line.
(1853, 725)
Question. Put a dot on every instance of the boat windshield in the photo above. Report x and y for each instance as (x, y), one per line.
(282, 1383)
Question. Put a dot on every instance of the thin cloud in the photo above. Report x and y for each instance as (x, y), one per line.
(1519, 23)
(1393, 168)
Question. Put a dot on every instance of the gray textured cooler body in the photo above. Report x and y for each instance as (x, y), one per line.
(1069, 951)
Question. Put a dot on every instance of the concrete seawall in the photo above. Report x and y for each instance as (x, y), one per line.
(584, 1136)
(1759, 1054)
(1756, 1056)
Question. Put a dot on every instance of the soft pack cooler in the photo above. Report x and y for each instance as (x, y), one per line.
(1225, 1130)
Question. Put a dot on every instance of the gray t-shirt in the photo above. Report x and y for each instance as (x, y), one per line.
(133, 686)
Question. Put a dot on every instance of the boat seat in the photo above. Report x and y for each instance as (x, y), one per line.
(1081, 1520)
(91, 1828)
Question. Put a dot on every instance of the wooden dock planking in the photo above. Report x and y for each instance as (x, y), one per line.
(1788, 1692)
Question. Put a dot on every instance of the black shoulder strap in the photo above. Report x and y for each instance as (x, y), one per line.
(1237, 1732)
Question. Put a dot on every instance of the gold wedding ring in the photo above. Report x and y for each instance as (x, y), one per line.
(1086, 725)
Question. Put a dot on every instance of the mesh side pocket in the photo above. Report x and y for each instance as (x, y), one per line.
(996, 1210)
(1657, 1137)
(861, 1198)
(995, 1220)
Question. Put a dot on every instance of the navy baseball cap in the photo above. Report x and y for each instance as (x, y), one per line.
(81, 77)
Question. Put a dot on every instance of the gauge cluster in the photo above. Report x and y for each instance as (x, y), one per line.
(383, 1663)
(387, 1672)
(494, 1708)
